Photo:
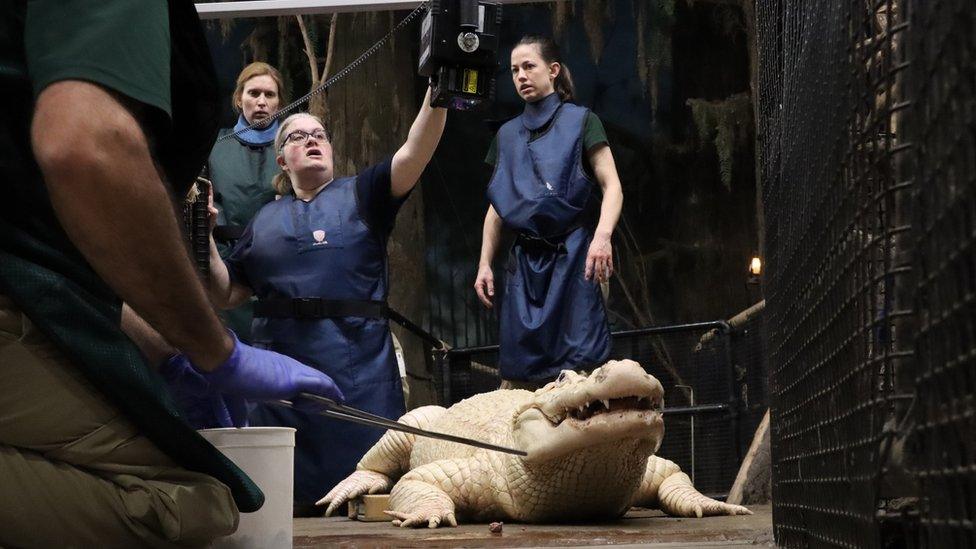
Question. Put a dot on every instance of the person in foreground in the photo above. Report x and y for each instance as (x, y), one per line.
(111, 110)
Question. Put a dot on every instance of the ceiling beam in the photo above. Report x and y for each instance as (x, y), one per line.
(272, 8)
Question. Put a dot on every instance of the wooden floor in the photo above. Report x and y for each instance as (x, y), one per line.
(638, 528)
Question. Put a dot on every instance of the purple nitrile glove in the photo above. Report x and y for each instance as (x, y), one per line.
(257, 374)
(201, 405)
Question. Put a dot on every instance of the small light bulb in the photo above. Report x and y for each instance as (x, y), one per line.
(755, 267)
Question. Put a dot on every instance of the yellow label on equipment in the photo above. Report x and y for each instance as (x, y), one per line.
(470, 81)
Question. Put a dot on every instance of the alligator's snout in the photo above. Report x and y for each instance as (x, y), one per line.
(620, 374)
(617, 401)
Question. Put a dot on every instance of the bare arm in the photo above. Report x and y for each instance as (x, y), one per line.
(490, 235)
(112, 203)
(599, 258)
(153, 346)
(605, 170)
(484, 284)
(411, 159)
(224, 293)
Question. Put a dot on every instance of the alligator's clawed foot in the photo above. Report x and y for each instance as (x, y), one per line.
(353, 486)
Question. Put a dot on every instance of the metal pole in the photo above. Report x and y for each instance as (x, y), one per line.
(446, 377)
(733, 393)
(691, 392)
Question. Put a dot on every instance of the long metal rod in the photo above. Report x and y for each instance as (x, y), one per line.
(274, 8)
(695, 410)
(347, 413)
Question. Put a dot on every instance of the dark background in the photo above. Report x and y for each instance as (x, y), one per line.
(690, 223)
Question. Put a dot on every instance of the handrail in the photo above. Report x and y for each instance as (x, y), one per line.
(720, 325)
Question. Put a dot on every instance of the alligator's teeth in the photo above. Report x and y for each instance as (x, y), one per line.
(606, 403)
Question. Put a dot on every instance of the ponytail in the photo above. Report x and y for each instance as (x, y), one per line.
(564, 84)
(549, 52)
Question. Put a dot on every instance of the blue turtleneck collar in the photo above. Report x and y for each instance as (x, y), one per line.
(539, 113)
(255, 136)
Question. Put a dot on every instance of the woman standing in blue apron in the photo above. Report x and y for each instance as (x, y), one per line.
(316, 260)
(552, 314)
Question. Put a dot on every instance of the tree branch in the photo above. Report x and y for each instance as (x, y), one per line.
(313, 65)
(330, 49)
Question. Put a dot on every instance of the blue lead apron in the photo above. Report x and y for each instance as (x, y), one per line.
(550, 318)
(323, 248)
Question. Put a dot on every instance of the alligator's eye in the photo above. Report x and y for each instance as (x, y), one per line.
(563, 376)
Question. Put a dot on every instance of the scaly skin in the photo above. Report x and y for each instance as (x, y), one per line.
(587, 469)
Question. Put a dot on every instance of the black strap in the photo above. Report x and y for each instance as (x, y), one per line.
(543, 244)
(423, 334)
(316, 307)
(228, 233)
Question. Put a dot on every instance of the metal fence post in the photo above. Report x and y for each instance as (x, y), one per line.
(734, 402)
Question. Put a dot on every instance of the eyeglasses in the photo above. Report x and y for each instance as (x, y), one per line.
(301, 136)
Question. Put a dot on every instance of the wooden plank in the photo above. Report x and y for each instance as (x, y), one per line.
(370, 508)
(752, 484)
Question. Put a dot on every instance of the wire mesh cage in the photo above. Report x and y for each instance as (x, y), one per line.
(943, 127)
(838, 286)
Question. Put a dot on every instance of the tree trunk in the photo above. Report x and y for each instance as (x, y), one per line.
(369, 115)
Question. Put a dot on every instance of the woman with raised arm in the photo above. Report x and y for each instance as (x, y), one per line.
(316, 261)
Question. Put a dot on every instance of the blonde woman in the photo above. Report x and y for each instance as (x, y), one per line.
(241, 167)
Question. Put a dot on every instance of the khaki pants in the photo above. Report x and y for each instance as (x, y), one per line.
(74, 472)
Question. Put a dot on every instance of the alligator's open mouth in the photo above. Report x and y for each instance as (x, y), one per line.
(603, 406)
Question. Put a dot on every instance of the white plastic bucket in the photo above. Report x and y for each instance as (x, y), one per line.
(267, 455)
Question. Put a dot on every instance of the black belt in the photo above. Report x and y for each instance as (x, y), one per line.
(548, 244)
(228, 233)
(311, 308)
(316, 307)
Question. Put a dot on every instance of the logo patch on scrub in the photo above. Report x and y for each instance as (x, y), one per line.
(319, 237)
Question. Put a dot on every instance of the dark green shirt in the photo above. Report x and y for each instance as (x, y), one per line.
(127, 47)
(42, 42)
(593, 135)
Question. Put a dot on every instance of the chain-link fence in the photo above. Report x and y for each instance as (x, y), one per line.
(867, 115)
(942, 124)
(705, 369)
(836, 248)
